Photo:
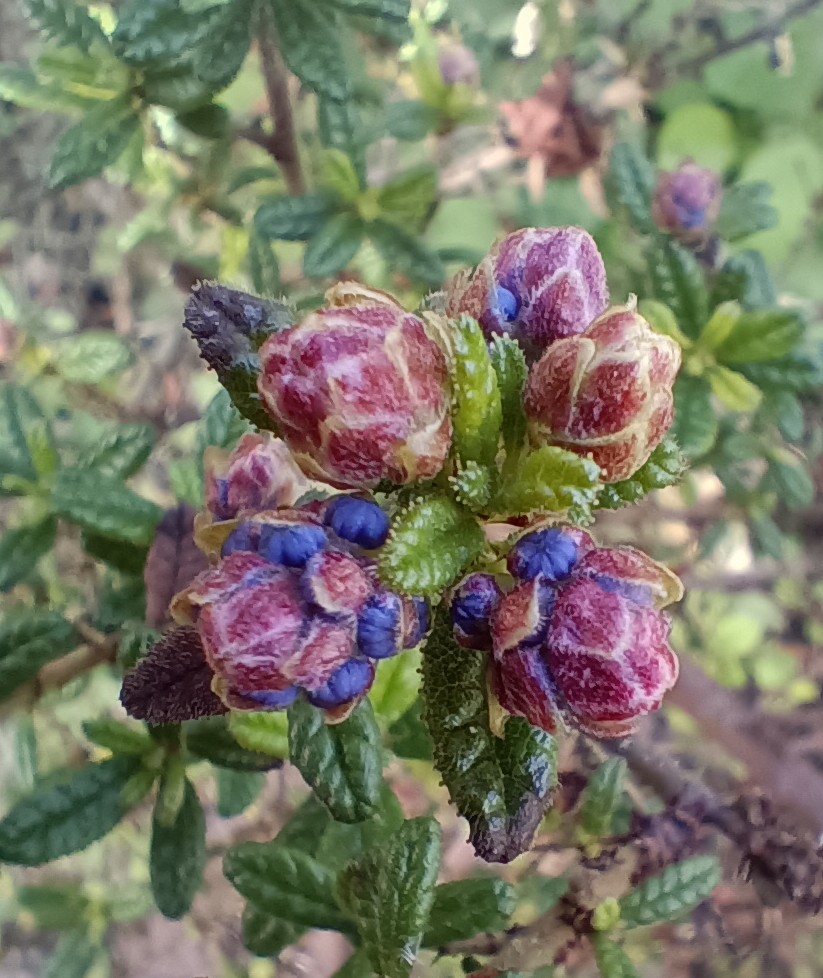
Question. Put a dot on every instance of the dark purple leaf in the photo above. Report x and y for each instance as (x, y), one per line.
(173, 562)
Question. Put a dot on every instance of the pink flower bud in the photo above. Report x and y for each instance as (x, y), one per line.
(592, 649)
(359, 392)
(537, 285)
(686, 203)
(259, 474)
(606, 393)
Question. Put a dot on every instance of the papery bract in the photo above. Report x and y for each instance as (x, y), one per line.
(686, 202)
(359, 392)
(606, 393)
(536, 285)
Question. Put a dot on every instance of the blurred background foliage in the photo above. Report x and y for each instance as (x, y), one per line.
(149, 145)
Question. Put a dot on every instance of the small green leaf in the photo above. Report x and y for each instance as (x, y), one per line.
(678, 280)
(21, 549)
(745, 278)
(211, 740)
(405, 253)
(410, 119)
(793, 372)
(509, 364)
(67, 814)
(334, 246)
(313, 42)
(340, 125)
(476, 403)
(30, 638)
(120, 451)
(390, 891)
(662, 320)
(236, 790)
(222, 424)
(209, 121)
(549, 479)
(631, 180)
(55, 907)
(745, 209)
(468, 907)
(665, 467)
(787, 409)
(285, 883)
(762, 334)
(338, 174)
(66, 22)
(222, 43)
(408, 736)
(266, 936)
(264, 267)
(20, 420)
(388, 9)
(789, 478)
(767, 536)
(501, 785)
(21, 86)
(395, 686)
(732, 389)
(471, 485)
(119, 738)
(93, 143)
(612, 960)
(177, 856)
(153, 31)
(695, 422)
(263, 732)
(431, 542)
(293, 218)
(73, 957)
(103, 504)
(92, 356)
(410, 198)
(720, 325)
(669, 894)
(341, 762)
(601, 797)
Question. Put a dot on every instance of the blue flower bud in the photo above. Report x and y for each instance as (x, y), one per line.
(291, 546)
(507, 303)
(379, 625)
(473, 602)
(359, 521)
(550, 554)
(274, 699)
(418, 628)
(241, 538)
(351, 680)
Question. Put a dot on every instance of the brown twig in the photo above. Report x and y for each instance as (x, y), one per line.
(282, 144)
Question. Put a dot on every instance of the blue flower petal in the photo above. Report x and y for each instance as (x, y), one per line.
(379, 626)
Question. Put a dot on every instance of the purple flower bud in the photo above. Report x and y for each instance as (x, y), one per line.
(550, 554)
(359, 521)
(686, 202)
(351, 681)
(379, 626)
(471, 606)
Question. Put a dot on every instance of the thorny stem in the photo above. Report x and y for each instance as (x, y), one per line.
(282, 144)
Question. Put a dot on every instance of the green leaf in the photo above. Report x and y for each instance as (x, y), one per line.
(665, 467)
(21, 549)
(55, 907)
(405, 253)
(767, 535)
(468, 907)
(67, 814)
(177, 856)
(395, 686)
(390, 890)
(103, 504)
(501, 785)
(431, 542)
(745, 277)
(222, 425)
(21, 86)
(509, 364)
(340, 127)
(678, 280)
(410, 119)
(789, 478)
(20, 421)
(631, 180)
(128, 558)
(471, 485)
(745, 209)
(612, 960)
(263, 732)
(794, 373)
(119, 738)
(549, 479)
(176, 88)
(701, 131)
(476, 402)
(29, 638)
(721, 323)
(601, 797)
(285, 883)
(342, 762)
(338, 174)
(211, 740)
(334, 246)
(293, 218)
(236, 790)
(93, 143)
(264, 267)
(762, 334)
(787, 409)
(92, 356)
(73, 957)
(66, 22)
(677, 889)
(695, 422)
(120, 451)
(732, 389)
(266, 936)
(153, 31)
(222, 44)
(388, 9)
(313, 43)
(172, 790)
(209, 121)
(410, 198)
(408, 736)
